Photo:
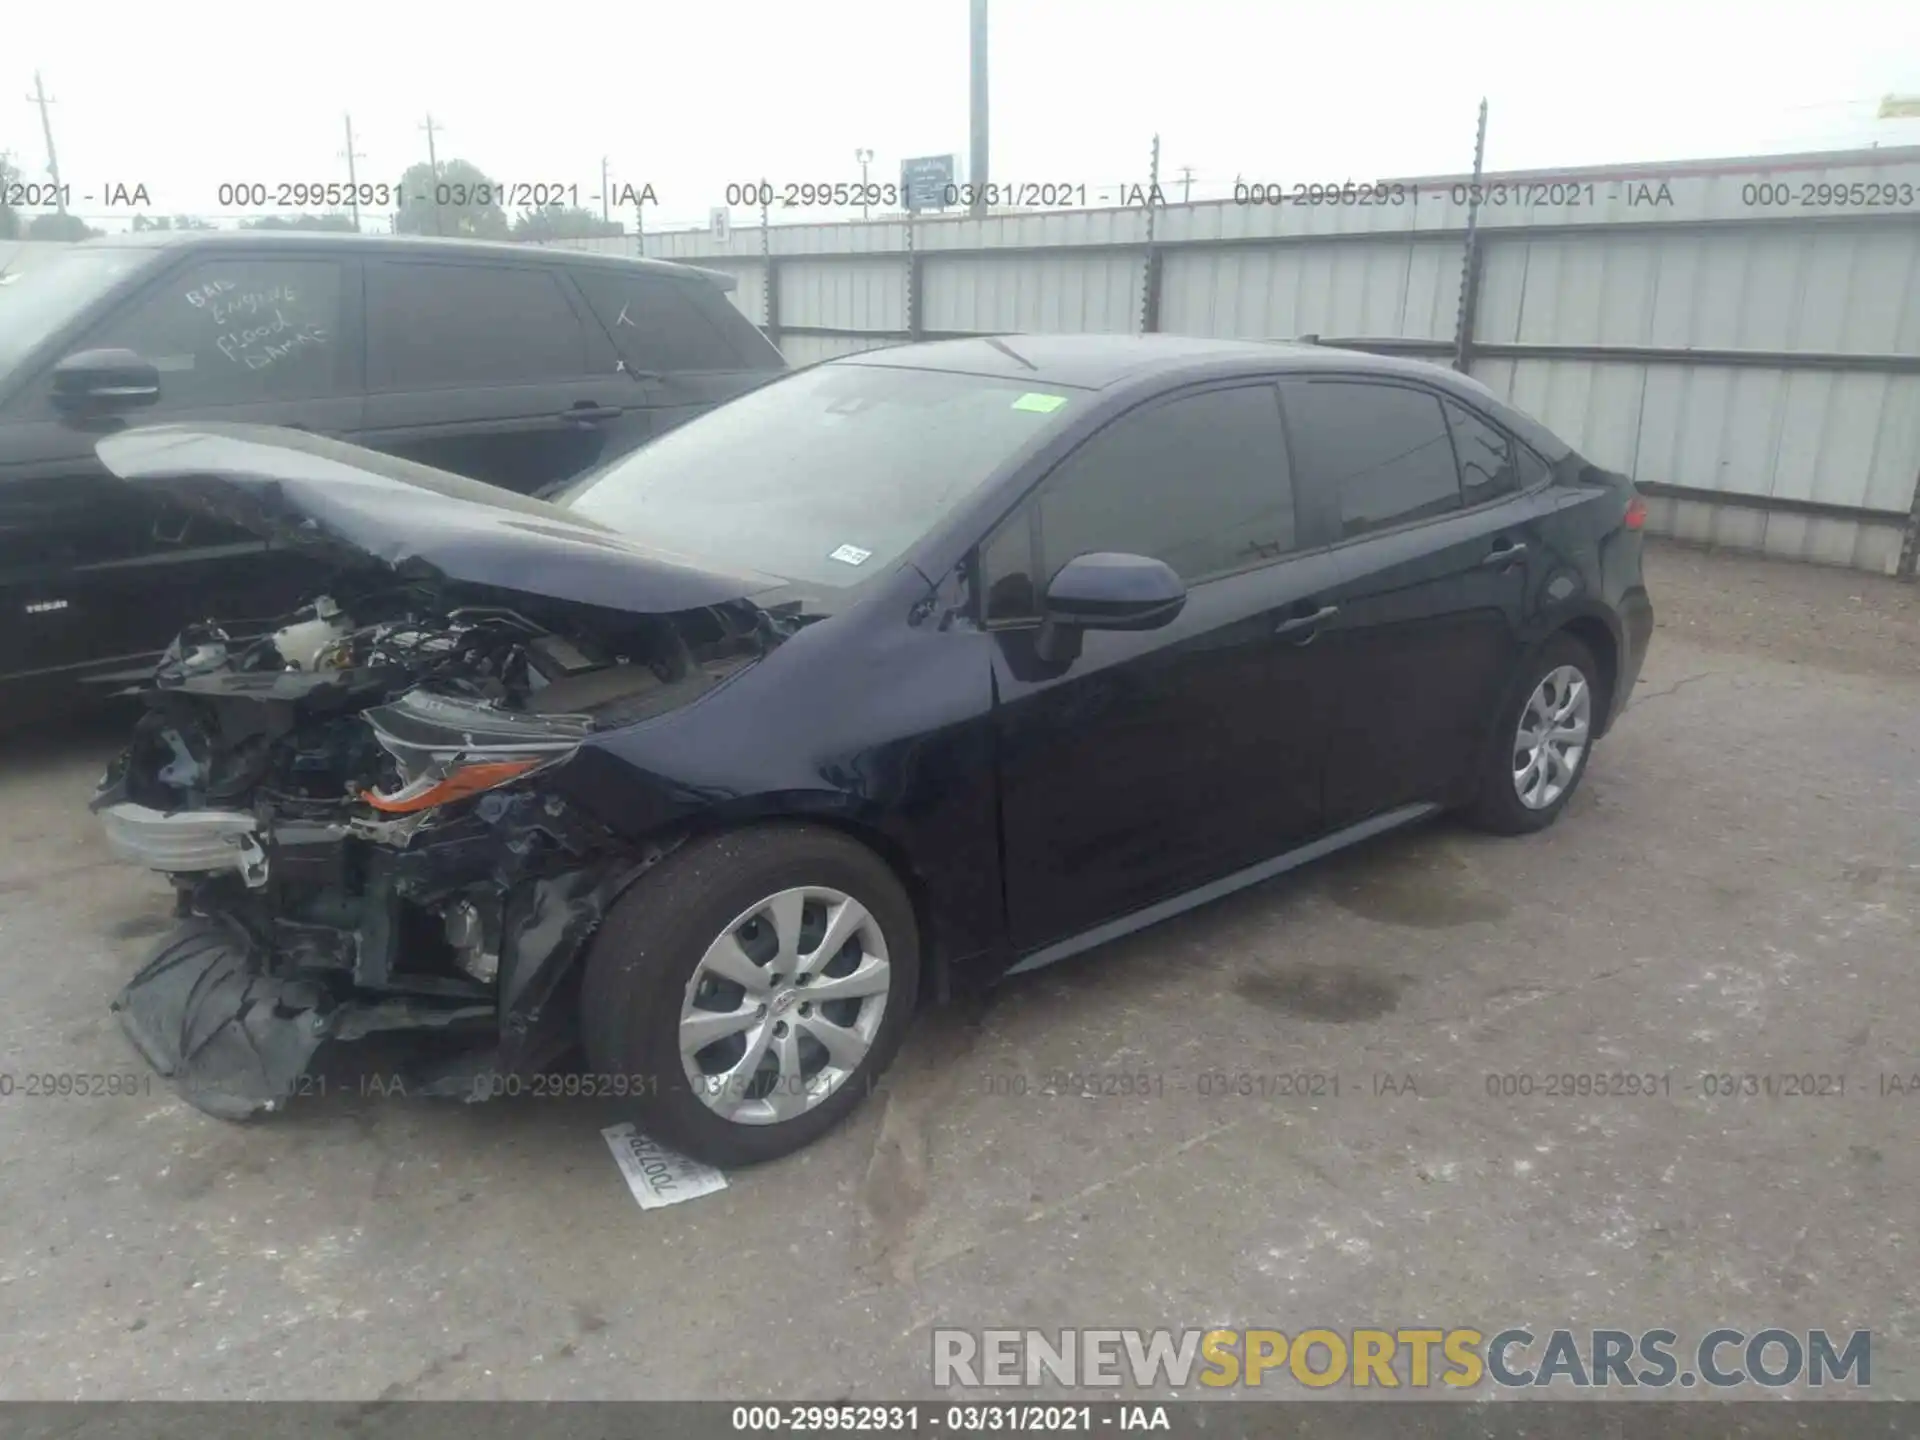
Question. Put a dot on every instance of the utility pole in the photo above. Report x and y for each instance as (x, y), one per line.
(353, 179)
(433, 164)
(979, 107)
(605, 188)
(39, 97)
(1186, 184)
(865, 158)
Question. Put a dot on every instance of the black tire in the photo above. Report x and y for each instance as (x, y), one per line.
(646, 952)
(1497, 806)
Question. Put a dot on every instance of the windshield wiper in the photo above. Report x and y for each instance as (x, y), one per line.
(1005, 349)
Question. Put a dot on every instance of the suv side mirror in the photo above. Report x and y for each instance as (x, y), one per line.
(104, 382)
(1106, 592)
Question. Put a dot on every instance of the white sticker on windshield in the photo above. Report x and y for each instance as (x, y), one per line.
(851, 555)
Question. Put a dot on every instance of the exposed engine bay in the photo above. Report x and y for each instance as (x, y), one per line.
(350, 809)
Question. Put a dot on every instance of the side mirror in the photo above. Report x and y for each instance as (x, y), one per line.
(104, 382)
(1106, 592)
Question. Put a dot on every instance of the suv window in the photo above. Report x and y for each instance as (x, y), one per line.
(433, 325)
(1201, 482)
(236, 332)
(1490, 460)
(655, 323)
(1380, 452)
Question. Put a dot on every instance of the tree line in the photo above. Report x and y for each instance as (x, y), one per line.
(480, 214)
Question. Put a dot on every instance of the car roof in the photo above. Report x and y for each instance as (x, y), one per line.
(1099, 362)
(1094, 362)
(398, 244)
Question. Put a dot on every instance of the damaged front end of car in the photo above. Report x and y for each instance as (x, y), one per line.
(355, 824)
(360, 808)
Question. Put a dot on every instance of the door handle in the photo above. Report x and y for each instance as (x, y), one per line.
(588, 413)
(1504, 554)
(1306, 626)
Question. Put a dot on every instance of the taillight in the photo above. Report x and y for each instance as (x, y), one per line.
(1636, 513)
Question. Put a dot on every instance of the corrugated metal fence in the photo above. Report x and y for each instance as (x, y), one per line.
(1741, 336)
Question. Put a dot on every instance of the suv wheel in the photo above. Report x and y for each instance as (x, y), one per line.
(759, 981)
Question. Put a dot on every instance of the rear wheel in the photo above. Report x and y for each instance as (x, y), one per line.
(759, 981)
(1542, 742)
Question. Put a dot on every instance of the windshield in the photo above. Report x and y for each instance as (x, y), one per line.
(42, 287)
(824, 478)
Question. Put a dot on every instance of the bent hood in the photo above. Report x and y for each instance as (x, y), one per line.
(357, 508)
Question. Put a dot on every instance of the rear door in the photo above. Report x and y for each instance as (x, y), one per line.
(96, 574)
(1162, 759)
(493, 370)
(693, 349)
(1430, 509)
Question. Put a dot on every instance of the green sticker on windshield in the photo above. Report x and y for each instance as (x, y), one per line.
(1043, 404)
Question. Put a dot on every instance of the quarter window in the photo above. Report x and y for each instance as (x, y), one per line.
(658, 323)
(1489, 459)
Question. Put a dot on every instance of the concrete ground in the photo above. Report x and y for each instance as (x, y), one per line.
(1735, 890)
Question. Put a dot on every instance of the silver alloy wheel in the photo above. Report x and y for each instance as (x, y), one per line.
(784, 1005)
(1551, 740)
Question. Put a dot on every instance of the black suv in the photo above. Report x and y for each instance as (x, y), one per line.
(511, 364)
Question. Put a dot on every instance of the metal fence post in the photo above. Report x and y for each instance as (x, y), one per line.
(916, 278)
(1470, 258)
(769, 280)
(1910, 542)
(1150, 279)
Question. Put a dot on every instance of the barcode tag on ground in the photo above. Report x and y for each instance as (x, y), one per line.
(656, 1175)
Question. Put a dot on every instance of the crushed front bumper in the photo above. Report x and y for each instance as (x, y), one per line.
(236, 1039)
(233, 1040)
(186, 842)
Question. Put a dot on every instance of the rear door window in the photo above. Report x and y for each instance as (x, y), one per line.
(1371, 456)
(656, 322)
(238, 331)
(436, 325)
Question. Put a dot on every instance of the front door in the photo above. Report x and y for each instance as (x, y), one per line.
(96, 574)
(1156, 761)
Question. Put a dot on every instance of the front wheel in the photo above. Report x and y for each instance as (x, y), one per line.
(759, 981)
(1543, 740)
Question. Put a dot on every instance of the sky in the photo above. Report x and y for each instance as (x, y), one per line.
(183, 98)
